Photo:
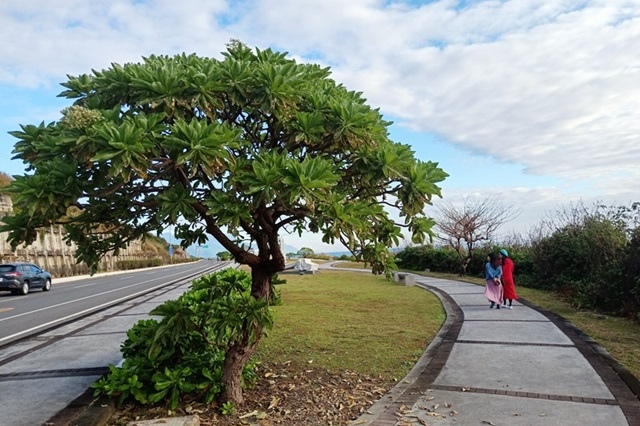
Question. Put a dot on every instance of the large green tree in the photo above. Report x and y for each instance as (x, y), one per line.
(305, 252)
(242, 149)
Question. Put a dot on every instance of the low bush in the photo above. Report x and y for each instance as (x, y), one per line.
(183, 353)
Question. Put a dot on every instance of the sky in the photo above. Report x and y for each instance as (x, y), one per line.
(535, 102)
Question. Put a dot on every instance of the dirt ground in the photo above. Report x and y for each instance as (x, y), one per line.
(285, 395)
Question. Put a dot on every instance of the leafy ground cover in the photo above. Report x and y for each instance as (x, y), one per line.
(341, 340)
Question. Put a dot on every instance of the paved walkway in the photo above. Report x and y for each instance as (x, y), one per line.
(507, 367)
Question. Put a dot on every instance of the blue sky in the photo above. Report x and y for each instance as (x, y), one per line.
(532, 101)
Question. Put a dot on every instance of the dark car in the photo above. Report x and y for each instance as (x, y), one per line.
(19, 278)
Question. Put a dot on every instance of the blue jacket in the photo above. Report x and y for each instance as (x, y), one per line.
(490, 272)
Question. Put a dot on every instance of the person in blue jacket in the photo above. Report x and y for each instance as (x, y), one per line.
(493, 274)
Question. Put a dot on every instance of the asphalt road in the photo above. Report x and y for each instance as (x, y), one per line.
(70, 299)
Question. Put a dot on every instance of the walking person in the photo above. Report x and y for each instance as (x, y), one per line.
(493, 274)
(508, 284)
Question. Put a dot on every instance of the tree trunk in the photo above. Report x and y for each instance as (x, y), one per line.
(239, 353)
(234, 361)
(260, 282)
(465, 264)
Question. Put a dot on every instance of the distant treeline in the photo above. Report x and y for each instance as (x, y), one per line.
(592, 260)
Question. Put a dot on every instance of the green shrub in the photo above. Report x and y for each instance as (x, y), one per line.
(444, 259)
(184, 352)
(583, 261)
(125, 265)
(421, 258)
(630, 282)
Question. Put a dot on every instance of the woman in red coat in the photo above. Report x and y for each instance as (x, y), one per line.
(508, 285)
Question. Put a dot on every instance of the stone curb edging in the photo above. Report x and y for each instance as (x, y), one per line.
(84, 410)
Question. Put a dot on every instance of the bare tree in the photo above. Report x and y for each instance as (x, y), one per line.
(475, 221)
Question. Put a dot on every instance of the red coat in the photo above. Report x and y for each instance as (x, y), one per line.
(507, 279)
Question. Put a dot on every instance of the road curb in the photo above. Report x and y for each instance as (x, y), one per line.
(85, 410)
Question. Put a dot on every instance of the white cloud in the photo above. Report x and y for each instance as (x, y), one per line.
(551, 85)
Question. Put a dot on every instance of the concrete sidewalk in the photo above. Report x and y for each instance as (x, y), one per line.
(507, 367)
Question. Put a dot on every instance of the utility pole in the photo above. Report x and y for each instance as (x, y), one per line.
(170, 243)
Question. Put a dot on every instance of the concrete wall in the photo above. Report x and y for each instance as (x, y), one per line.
(51, 252)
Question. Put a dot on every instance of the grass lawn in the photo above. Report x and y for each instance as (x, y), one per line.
(342, 320)
(619, 336)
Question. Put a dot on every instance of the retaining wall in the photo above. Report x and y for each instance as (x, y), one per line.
(51, 252)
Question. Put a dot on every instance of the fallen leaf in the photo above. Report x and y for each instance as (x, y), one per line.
(251, 414)
(446, 404)
(542, 414)
(274, 402)
(453, 413)
(465, 389)
(486, 422)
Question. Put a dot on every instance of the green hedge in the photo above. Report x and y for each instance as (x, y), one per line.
(125, 265)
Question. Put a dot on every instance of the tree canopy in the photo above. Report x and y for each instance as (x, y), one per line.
(241, 148)
(305, 252)
(244, 149)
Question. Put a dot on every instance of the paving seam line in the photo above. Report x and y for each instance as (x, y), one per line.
(522, 394)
